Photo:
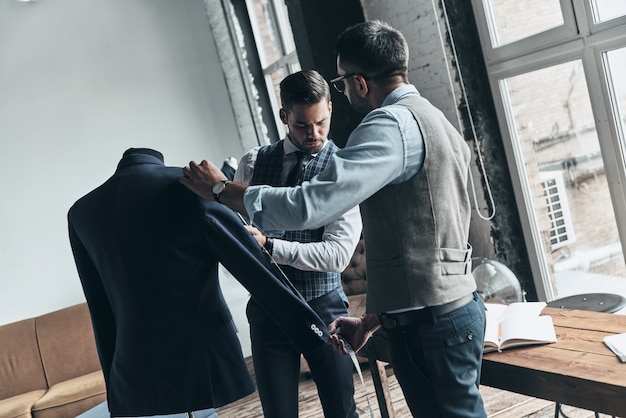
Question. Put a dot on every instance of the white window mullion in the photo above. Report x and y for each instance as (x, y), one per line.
(284, 27)
(580, 12)
(610, 133)
(552, 38)
(525, 201)
(538, 59)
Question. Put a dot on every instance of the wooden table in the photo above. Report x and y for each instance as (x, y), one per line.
(577, 370)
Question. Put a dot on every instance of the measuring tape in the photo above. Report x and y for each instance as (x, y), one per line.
(357, 366)
(290, 285)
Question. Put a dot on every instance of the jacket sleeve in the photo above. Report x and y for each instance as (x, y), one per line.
(97, 301)
(239, 253)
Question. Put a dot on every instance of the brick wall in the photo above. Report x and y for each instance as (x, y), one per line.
(424, 25)
(421, 23)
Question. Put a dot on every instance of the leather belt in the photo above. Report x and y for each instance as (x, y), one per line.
(408, 318)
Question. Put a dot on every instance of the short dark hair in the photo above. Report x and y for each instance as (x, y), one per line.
(303, 87)
(373, 48)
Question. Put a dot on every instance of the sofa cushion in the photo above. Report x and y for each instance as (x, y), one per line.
(20, 364)
(72, 397)
(67, 344)
(20, 406)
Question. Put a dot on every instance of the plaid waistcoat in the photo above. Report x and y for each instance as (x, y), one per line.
(268, 170)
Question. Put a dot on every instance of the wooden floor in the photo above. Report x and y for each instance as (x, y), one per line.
(498, 403)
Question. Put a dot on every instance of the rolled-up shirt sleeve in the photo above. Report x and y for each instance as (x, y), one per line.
(332, 254)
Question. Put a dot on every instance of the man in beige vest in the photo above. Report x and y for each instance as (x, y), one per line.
(407, 167)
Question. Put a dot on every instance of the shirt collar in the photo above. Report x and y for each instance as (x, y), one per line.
(398, 93)
(139, 158)
(289, 147)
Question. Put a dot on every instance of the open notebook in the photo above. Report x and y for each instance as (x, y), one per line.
(516, 325)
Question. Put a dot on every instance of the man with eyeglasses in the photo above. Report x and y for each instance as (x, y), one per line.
(407, 167)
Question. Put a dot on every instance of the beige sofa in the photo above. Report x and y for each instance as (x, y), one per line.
(49, 366)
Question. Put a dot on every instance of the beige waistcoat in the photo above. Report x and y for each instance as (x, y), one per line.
(416, 232)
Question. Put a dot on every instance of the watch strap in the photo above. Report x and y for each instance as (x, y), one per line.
(216, 196)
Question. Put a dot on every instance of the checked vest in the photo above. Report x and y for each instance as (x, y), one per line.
(267, 170)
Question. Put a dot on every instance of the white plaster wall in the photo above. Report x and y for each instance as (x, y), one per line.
(80, 82)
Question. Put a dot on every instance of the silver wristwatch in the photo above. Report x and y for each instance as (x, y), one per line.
(218, 188)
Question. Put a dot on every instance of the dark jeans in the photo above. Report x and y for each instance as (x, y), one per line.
(437, 362)
(277, 365)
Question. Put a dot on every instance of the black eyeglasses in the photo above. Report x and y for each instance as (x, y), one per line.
(340, 85)
(338, 82)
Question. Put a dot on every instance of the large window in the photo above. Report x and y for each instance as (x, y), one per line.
(556, 71)
(275, 45)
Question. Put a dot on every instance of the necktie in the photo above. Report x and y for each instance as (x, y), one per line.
(294, 173)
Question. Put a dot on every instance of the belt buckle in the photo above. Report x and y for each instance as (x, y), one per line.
(388, 321)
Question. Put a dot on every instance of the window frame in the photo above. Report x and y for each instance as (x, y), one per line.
(579, 38)
(288, 60)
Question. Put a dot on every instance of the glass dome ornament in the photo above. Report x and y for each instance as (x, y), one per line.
(495, 282)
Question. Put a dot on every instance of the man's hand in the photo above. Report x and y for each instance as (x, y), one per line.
(356, 331)
(200, 178)
(258, 235)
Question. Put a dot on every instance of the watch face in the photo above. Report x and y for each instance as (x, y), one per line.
(219, 187)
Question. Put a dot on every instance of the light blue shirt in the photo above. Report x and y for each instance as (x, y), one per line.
(384, 149)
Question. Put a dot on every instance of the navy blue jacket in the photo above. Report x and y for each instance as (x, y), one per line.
(147, 252)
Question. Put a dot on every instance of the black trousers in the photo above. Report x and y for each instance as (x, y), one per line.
(277, 364)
